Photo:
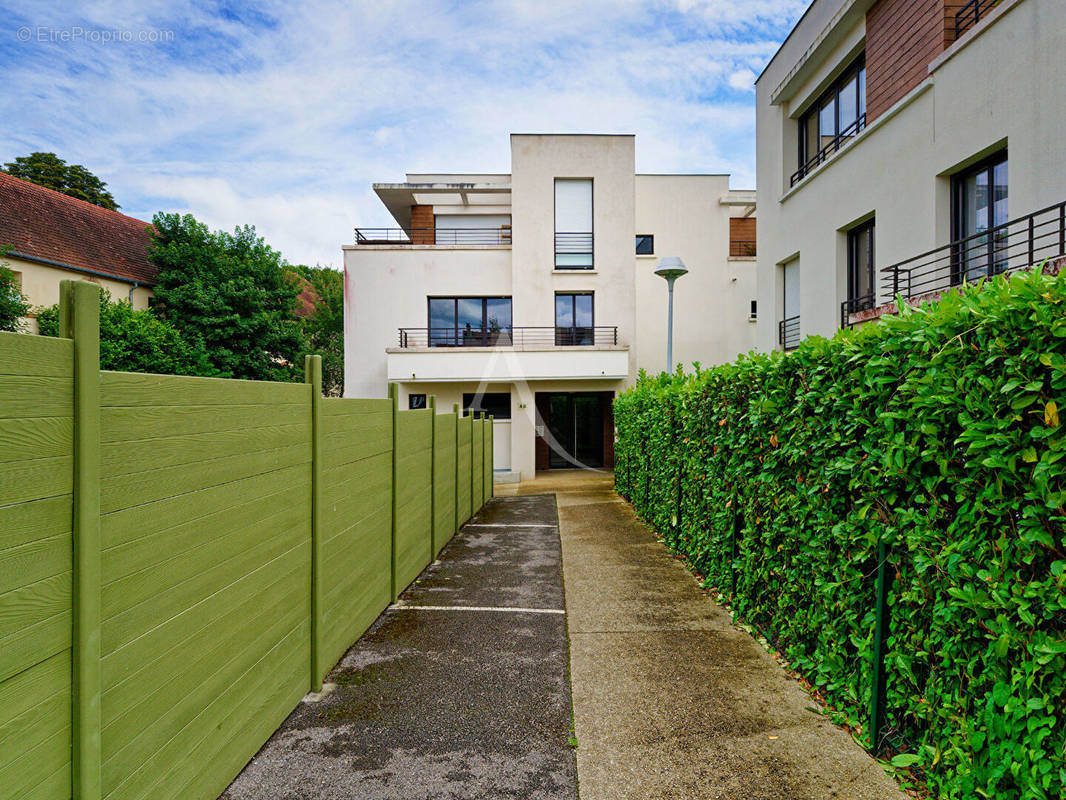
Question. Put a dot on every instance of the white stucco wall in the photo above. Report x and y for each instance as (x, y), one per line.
(1001, 86)
(712, 302)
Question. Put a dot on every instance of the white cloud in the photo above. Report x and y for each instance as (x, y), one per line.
(283, 120)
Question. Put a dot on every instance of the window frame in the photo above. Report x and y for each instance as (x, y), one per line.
(566, 335)
(806, 162)
(483, 331)
(854, 242)
(650, 237)
(592, 224)
(958, 180)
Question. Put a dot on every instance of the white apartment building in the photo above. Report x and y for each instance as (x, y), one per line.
(532, 296)
(906, 146)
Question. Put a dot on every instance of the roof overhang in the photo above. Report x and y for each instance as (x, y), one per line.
(399, 197)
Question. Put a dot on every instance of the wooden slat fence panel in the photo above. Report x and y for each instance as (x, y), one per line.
(462, 470)
(36, 477)
(477, 466)
(414, 475)
(356, 518)
(205, 577)
(444, 480)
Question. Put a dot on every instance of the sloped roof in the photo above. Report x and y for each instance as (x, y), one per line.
(45, 224)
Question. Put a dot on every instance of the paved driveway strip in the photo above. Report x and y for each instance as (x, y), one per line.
(460, 690)
(671, 701)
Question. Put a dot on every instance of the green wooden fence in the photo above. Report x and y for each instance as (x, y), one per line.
(182, 559)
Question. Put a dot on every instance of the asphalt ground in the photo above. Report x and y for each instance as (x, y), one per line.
(460, 690)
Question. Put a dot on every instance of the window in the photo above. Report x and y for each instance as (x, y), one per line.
(495, 404)
(741, 237)
(862, 290)
(573, 223)
(979, 202)
(837, 117)
(753, 314)
(469, 321)
(645, 244)
(788, 329)
(574, 319)
(416, 401)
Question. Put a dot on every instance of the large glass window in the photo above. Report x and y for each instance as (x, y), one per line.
(494, 404)
(573, 223)
(574, 322)
(861, 286)
(979, 198)
(837, 116)
(469, 321)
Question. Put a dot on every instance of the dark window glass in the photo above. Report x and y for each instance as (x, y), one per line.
(416, 401)
(469, 321)
(574, 323)
(495, 404)
(837, 115)
(645, 244)
(980, 205)
(754, 309)
(861, 287)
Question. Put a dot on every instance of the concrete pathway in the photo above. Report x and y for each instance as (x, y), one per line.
(458, 691)
(670, 700)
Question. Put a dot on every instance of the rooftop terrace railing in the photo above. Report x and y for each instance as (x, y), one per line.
(447, 237)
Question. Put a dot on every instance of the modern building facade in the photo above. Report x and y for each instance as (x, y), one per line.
(906, 146)
(532, 295)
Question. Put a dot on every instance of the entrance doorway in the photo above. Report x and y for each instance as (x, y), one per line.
(576, 429)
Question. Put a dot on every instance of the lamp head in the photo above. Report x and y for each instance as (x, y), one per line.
(671, 268)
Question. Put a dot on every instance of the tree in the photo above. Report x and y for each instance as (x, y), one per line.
(323, 329)
(137, 341)
(13, 303)
(233, 292)
(47, 169)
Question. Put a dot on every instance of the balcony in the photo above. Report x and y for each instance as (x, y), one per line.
(508, 354)
(970, 14)
(788, 333)
(440, 237)
(1018, 244)
(831, 146)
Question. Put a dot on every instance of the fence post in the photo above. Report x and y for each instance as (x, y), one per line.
(476, 491)
(458, 483)
(394, 396)
(79, 319)
(431, 404)
(877, 670)
(313, 376)
(490, 487)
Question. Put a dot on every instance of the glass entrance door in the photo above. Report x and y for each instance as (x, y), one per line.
(575, 422)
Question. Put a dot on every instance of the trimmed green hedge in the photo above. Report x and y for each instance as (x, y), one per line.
(939, 431)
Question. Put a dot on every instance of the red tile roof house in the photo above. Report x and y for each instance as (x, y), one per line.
(47, 236)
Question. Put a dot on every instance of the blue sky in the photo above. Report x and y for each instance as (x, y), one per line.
(282, 114)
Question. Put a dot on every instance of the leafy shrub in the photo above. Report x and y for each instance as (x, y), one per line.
(134, 340)
(936, 431)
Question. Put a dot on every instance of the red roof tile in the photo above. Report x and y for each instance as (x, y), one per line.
(42, 223)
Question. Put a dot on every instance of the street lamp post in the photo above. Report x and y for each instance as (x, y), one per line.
(671, 268)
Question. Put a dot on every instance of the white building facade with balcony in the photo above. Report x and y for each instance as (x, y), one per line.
(905, 146)
(531, 296)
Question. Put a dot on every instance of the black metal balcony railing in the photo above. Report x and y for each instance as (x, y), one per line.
(1018, 244)
(741, 248)
(573, 250)
(788, 333)
(436, 236)
(834, 144)
(547, 336)
(970, 14)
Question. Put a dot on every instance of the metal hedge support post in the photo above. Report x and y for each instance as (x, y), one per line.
(877, 670)
(313, 376)
(431, 404)
(394, 396)
(455, 409)
(79, 317)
